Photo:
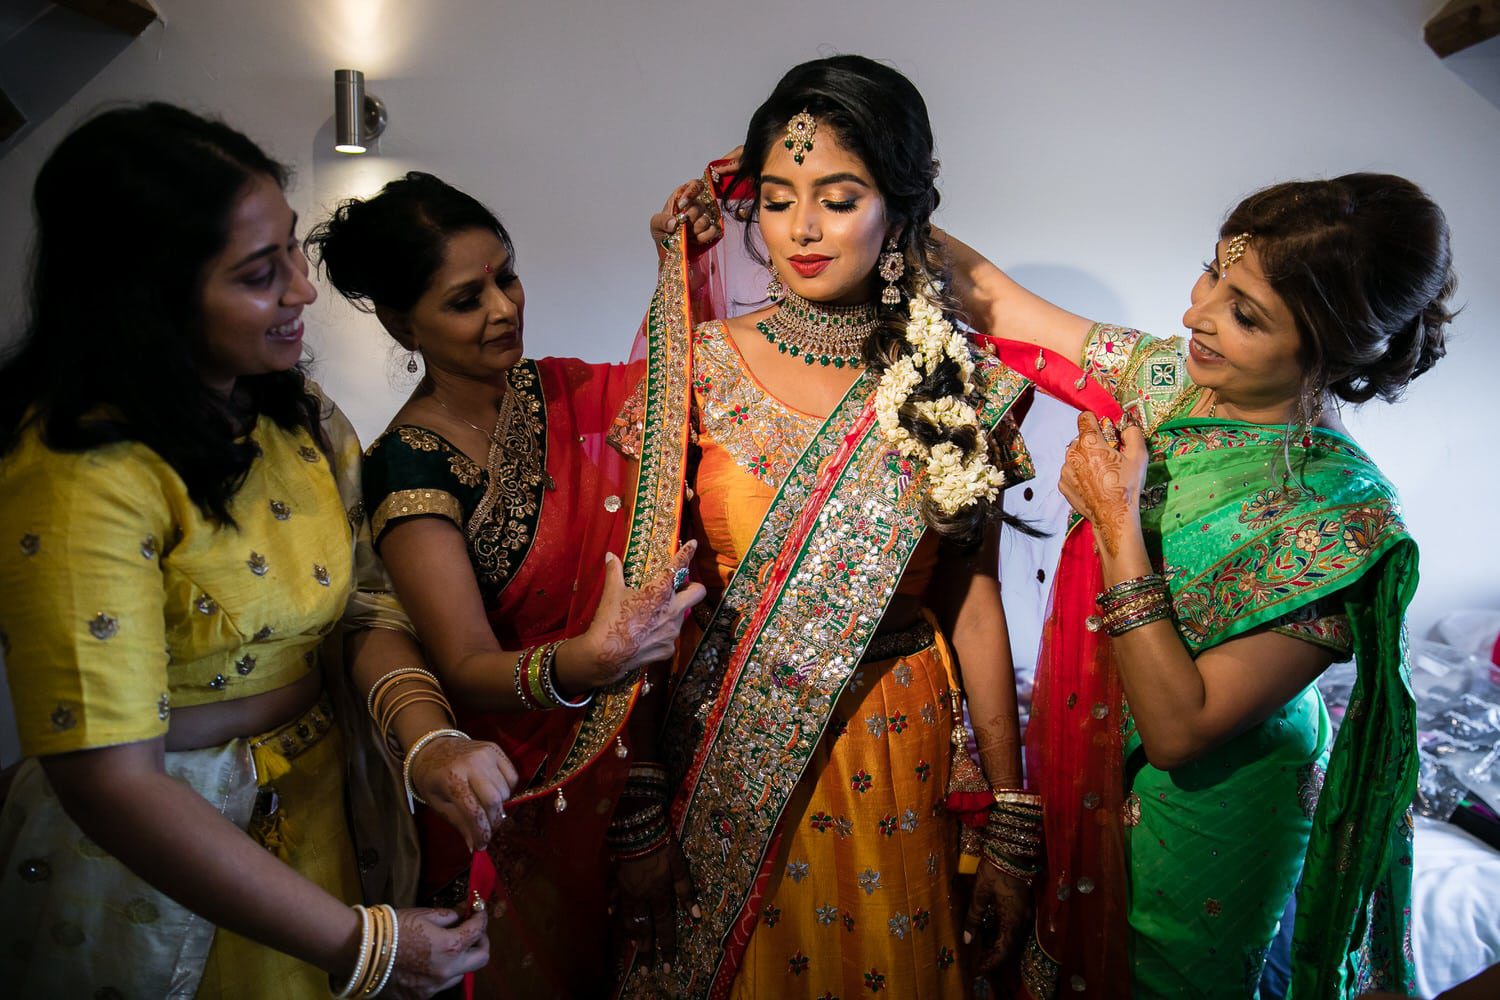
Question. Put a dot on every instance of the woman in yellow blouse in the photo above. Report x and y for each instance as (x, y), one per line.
(176, 545)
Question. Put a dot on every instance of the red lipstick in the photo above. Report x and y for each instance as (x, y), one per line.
(809, 265)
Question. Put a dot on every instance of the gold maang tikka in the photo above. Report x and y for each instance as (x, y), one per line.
(799, 135)
(1233, 251)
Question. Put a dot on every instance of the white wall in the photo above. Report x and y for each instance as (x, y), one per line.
(1091, 146)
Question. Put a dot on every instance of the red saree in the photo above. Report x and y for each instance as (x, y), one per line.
(549, 903)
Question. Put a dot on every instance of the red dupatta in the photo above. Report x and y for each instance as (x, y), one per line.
(541, 851)
(1073, 747)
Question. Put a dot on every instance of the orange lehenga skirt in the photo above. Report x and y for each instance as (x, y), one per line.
(863, 897)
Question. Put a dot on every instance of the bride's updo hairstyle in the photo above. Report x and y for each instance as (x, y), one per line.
(384, 250)
(1363, 263)
(879, 116)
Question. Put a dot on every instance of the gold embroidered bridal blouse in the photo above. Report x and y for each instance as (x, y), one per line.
(121, 601)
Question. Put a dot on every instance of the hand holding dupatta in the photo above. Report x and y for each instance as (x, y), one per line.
(467, 783)
(1183, 705)
(693, 205)
(633, 628)
(1103, 480)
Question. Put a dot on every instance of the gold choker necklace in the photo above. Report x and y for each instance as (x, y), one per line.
(829, 335)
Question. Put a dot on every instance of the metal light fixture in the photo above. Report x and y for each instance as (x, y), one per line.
(358, 117)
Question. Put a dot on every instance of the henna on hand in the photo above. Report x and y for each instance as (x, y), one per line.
(414, 952)
(1007, 901)
(438, 773)
(429, 954)
(1099, 478)
(641, 613)
(635, 620)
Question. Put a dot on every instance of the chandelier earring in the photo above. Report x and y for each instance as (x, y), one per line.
(774, 288)
(411, 362)
(892, 270)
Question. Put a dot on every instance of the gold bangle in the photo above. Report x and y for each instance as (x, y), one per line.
(1133, 606)
(377, 944)
(1129, 588)
(390, 680)
(404, 701)
(380, 973)
(1119, 626)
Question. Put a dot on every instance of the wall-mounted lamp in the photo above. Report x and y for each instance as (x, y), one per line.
(358, 117)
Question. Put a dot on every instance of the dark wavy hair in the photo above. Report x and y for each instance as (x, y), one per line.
(129, 208)
(384, 250)
(877, 114)
(1364, 264)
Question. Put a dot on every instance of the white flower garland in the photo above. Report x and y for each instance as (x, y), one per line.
(957, 480)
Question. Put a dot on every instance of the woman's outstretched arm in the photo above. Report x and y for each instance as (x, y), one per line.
(997, 305)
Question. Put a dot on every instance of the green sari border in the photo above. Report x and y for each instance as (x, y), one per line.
(656, 515)
(742, 743)
(1286, 546)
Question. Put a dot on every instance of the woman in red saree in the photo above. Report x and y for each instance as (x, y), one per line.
(511, 503)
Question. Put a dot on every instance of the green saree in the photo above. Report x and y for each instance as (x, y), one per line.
(1305, 537)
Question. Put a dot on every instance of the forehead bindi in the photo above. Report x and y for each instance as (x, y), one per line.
(468, 257)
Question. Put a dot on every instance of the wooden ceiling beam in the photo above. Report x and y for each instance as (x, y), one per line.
(1462, 23)
(131, 16)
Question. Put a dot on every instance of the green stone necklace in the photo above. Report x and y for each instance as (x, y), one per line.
(829, 335)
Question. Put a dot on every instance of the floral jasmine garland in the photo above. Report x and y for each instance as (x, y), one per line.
(957, 480)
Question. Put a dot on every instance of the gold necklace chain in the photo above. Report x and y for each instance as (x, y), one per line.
(508, 414)
(829, 335)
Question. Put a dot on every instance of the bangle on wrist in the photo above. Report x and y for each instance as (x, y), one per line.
(361, 963)
(644, 848)
(411, 755)
(388, 961)
(385, 701)
(1132, 603)
(549, 679)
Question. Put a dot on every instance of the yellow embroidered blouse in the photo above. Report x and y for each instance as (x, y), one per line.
(118, 600)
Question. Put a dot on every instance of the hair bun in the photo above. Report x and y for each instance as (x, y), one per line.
(1364, 263)
(384, 250)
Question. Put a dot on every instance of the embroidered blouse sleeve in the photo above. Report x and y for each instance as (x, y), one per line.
(412, 472)
(1136, 367)
(1320, 624)
(84, 600)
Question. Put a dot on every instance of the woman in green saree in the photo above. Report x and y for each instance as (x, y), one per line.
(1245, 542)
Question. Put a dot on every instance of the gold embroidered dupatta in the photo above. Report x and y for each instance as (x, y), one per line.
(754, 698)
